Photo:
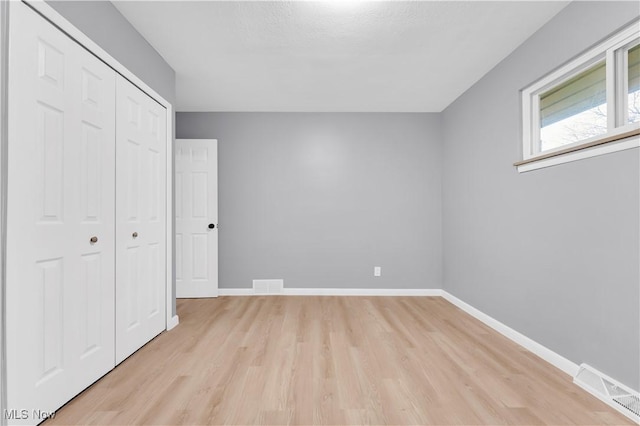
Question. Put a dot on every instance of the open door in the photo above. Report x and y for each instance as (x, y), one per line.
(196, 199)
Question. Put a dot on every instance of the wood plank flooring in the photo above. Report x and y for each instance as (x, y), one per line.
(333, 360)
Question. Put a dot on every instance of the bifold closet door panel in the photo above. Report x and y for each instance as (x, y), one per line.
(60, 234)
(140, 218)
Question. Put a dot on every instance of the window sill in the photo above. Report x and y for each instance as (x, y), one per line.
(605, 145)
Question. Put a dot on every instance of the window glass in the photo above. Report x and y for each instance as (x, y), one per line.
(634, 84)
(574, 110)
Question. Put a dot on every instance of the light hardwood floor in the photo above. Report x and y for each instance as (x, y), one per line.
(333, 360)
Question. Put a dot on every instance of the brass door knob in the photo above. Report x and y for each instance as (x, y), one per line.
(93, 240)
(134, 235)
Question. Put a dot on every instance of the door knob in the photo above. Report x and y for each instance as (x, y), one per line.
(211, 226)
(134, 235)
(93, 240)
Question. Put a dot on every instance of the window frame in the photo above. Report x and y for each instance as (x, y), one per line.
(620, 134)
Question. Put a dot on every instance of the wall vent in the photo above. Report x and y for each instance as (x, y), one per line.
(610, 391)
(630, 402)
(268, 286)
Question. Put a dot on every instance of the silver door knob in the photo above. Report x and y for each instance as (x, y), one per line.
(93, 240)
(134, 235)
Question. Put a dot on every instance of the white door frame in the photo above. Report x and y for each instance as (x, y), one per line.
(67, 27)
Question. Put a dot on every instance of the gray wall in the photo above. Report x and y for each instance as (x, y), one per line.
(106, 26)
(552, 253)
(320, 199)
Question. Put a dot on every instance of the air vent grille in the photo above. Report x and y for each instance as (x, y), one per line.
(630, 402)
(613, 389)
(268, 286)
(609, 390)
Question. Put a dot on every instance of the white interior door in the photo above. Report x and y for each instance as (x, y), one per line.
(196, 201)
(60, 237)
(140, 218)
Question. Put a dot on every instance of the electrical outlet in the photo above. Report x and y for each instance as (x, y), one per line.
(377, 271)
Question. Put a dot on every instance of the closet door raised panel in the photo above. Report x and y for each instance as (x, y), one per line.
(60, 285)
(140, 217)
(95, 187)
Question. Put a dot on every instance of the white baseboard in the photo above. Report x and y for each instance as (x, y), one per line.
(235, 292)
(197, 294)
(336, 292)
(361, 292)
(543, 352)
(174, 321)
(549, 356)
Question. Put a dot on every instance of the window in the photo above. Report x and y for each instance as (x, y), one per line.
(588, 107)
(633, 84)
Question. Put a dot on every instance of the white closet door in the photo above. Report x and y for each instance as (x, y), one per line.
(60, 284)
(140, 218)
(196, 218)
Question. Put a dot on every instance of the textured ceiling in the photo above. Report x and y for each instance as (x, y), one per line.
(332, 55)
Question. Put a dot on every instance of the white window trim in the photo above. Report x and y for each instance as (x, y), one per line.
(616, 116)
(607, 148)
